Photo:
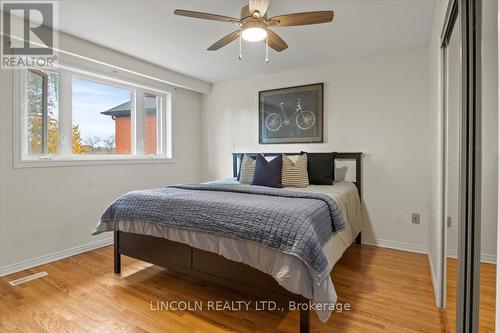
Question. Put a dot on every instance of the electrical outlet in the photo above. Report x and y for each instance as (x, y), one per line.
(448, 221)
(399, 219)
(415, 218)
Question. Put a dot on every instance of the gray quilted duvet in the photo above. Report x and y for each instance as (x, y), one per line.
(296, 223)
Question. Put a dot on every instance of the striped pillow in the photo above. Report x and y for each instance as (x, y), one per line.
(294, 174)
(247, 170)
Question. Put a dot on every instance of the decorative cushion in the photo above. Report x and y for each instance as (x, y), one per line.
(295, 173)
(247, 170)
(268, 173)
(320, 168)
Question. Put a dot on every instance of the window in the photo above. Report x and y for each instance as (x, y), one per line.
(151, 128)
(73, 116)
(101, 117)
(42, 113)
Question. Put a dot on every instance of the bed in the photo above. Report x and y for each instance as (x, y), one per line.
(244, 264)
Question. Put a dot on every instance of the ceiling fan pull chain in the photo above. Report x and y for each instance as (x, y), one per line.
(267, 49)
(240, 56)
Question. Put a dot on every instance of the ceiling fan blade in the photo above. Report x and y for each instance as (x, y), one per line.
(304, 18)
(224, 41)
(206, 16)
(275, 41)
(260, 5)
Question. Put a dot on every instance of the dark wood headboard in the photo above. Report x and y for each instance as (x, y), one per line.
(337, 156)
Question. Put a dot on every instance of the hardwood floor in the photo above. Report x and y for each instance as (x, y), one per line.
(388, 291)
(487, 296)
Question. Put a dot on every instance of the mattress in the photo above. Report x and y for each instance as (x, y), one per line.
(288, 270)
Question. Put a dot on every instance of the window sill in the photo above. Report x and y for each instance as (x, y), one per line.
(89, 161)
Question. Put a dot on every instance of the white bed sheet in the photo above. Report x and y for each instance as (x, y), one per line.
(288, 270)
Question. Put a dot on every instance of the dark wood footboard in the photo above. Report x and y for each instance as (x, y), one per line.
(204, 265)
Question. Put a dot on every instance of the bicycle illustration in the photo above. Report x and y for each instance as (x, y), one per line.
(304, 119)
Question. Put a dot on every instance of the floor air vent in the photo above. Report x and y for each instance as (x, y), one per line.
(28, 278)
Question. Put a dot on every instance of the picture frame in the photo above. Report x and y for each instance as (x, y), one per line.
(291, 115)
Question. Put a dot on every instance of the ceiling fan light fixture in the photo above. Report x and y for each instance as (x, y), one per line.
(254, 34)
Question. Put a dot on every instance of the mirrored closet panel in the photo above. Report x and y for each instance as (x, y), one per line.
(452, 94)
(455, 142)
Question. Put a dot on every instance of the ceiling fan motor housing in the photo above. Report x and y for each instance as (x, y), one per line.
(253, 24)
(245, 14)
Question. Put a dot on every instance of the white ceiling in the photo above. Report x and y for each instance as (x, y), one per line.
(149, 30)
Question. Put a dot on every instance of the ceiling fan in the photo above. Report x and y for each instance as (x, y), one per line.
(255, 24)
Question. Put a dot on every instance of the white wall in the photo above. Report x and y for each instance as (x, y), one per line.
(44, 211)
(376, 105)
(489, 168)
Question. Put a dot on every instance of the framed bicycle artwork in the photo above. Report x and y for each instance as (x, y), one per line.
(291, 115)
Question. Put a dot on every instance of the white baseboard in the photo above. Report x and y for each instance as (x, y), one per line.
(435, 285)
(485, 258)
(17, 267)
(489, 258)
(408, 247)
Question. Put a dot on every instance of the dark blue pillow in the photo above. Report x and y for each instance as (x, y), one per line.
(268, 173)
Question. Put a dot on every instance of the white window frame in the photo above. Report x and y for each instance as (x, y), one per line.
(162, 122)
(65, 157)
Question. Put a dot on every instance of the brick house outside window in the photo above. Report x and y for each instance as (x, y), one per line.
(121, 116)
